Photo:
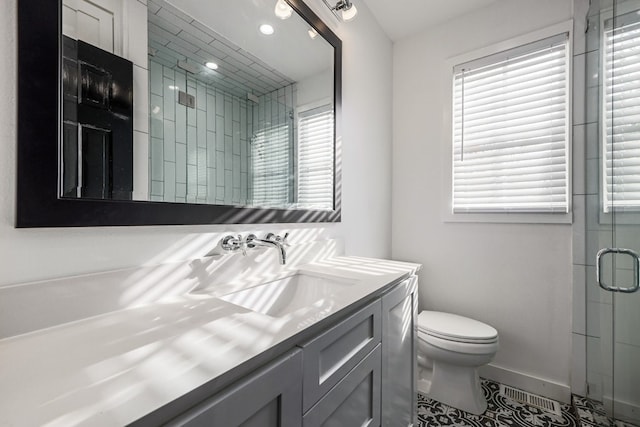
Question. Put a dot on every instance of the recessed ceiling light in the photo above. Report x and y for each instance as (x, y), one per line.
(211, 65)
(171, 87)
(266, 29)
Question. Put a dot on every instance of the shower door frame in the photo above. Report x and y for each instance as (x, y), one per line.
(607, 375)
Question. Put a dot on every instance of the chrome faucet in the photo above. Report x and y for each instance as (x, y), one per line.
(231, 243)
(271, 240)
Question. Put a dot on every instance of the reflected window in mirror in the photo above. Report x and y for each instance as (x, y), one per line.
(315, 168)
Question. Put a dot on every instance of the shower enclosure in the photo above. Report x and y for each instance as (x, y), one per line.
(613, 207)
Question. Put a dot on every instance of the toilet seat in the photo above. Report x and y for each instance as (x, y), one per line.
(459, 347)
(451, 327)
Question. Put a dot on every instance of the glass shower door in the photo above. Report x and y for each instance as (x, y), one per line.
(613, 230)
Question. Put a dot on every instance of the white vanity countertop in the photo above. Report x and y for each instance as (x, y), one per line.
(115, 368)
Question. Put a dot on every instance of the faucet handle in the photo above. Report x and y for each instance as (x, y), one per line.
(232, 243)
(284, 240)
(228, 242)
(248, 241)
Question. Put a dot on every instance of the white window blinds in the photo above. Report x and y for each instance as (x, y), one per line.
(315, 158)
(271, 166)
(510, 130)
(621, 110)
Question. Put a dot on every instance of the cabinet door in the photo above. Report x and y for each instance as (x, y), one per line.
(331, 355)
(399, 354)
(354, 401)
(270, 397)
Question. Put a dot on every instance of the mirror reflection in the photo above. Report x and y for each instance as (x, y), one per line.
(227, 103)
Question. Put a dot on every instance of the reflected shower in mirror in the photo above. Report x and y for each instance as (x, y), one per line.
(184, 101)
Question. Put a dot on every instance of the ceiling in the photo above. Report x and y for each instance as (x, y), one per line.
(181, 35)
(401, 18)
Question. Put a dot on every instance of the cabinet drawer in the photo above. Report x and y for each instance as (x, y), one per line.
(354, 401)
(330, 356)
(269, 397)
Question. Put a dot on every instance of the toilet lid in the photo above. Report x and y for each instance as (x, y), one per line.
(455, 328)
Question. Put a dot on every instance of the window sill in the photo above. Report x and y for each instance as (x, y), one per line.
(510, 218)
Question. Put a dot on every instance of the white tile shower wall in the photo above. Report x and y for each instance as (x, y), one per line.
(578, 362)
(198, 155)
(587, 313)
(579, 234)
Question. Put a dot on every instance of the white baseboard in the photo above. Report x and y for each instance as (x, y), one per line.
(527, 382)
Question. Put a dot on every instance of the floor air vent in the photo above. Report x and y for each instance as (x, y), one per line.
(530, 399)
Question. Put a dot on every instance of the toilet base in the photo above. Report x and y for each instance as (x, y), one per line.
(457, 386)
(424, 380)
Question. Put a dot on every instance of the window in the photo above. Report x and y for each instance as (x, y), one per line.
(315, 158)
(621, 115)
(510, 130)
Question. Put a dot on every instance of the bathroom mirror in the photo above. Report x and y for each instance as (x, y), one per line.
(176, 112)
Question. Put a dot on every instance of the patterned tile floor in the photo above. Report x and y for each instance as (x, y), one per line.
(501, 411)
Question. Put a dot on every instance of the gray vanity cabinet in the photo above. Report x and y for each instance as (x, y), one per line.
(399, 354)
(331, 355)
(359, 372)
(354, 401)
(270, 397)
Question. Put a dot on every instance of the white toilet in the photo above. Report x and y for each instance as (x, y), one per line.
(454, 347)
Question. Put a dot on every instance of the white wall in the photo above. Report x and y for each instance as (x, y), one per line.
(33, 254)
(516, 277)
(315, 89)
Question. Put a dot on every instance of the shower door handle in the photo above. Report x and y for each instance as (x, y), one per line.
(636, 270)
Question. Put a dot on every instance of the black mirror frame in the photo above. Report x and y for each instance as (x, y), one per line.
(37, 201)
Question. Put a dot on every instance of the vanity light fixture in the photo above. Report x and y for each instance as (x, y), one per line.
(266, 29)
(346, 8)
(211, 65)
(283, 10)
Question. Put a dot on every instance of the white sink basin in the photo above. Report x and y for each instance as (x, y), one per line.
(284, 296)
